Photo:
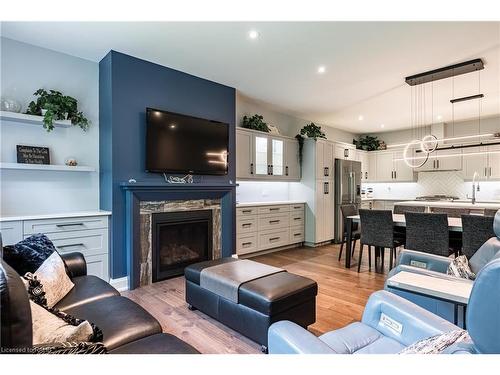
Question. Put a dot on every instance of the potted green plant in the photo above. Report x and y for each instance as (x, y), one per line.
(255, 122)
(369, 143)
(310, 131)
(54, 106)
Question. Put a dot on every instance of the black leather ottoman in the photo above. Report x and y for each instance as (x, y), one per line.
(261, 302)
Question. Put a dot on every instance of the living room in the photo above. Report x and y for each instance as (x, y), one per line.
(340, 196)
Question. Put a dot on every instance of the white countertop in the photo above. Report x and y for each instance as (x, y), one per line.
(272, 203)
(385, 199)
(56, 215)
(453, 204)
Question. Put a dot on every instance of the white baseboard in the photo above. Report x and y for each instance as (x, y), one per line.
(120, 284)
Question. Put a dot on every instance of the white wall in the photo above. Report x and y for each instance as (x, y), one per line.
(24, 69)
(287, 124)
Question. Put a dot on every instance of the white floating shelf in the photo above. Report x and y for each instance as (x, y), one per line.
(30, 119)
(46, 167)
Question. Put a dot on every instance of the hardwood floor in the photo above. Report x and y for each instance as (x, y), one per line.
(341, 299)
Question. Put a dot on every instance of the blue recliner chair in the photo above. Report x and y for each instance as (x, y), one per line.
(391, 323)
(435, 265)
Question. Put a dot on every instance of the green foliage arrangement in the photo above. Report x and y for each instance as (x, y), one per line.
(255, 122)
(58, 107)
(369, 143)
(310, 131)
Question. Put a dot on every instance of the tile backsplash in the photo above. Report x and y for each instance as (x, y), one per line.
(430, 183)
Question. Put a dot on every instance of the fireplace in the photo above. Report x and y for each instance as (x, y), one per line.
(179, 239)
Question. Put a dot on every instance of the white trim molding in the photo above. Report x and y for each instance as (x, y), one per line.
(120, 284)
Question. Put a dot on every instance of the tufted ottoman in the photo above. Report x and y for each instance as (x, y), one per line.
(261, 302)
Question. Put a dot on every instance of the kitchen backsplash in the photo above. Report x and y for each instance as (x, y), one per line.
(262, 191)
(430, 183)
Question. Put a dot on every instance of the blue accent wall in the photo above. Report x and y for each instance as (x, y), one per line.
(127, 85)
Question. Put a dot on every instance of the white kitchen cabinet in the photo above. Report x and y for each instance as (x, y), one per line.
(449, 160)
(475, 159)
(244, 155)
(292, 162)
(362, 157)
(12, 232)
(372, 167)
(402, 172)
(324, 211)
(263, 156)
(494, 162)
(344, 151)
(385, 168)
(324, 160)
(390, 168)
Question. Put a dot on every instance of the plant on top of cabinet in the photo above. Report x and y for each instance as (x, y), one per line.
(53, 106)
(369, 143)
(311, 131)
(255, 122)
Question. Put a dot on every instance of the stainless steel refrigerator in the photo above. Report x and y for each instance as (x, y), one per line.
(347, 190)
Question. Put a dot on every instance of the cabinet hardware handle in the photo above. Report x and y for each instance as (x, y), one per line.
(68, 225)
(71, 245)
(286, 170)
(297, 218)
(297, 234)
(251, 168)
(274, 238)
(366, 175)
(326, 187)
(395, 175)
(274, 221)
(272, 169)
(297, 207)
(490, 171)
(327, 171)
(274, 209)
(485, 174)
(246, 225)
(246, 211)
(246, 243)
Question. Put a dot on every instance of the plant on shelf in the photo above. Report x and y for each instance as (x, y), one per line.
(369, 143)
(255, 122)
(54, 106)
(310, 131)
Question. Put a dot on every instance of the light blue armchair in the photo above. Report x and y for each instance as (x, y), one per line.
(435, 265)
(391, 323)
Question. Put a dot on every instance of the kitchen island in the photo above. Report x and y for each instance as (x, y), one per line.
(477, 207)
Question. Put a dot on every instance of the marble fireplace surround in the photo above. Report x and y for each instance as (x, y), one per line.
(149, 208)
(135, 193)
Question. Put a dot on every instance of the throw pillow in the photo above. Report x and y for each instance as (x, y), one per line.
(459, 267)
(53, 278)
(436, 344)
(29, 254)
(49, 328)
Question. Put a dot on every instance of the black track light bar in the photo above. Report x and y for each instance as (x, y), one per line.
(463, 99)
(446, 72)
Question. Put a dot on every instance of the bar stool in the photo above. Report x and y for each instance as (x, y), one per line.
(349, 210)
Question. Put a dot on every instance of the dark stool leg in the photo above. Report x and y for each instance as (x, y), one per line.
(353, 247)
(393, 251)
(360, 256)
(382, 257)
(370, 257)
(341, 246)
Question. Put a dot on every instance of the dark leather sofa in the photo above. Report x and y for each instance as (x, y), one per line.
(127, 328)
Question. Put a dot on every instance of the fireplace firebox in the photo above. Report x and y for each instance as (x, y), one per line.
(179, 239)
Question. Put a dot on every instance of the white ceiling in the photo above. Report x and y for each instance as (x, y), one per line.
(366, 62)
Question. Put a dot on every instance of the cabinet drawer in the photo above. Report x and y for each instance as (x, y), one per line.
(89, 242)
(244, 211)
(298, 207)
(98, 265)
(246, 224)
(246, 244)
(297, 234)
(65, 224)
(274, 209)
(274, 238)
(273, 221)
(12, 232)
(297, 218)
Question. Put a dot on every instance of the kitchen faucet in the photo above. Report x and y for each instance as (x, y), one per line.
(474, 187)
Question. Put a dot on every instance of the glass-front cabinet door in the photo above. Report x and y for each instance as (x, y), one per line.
(261, 156)
(277, 156)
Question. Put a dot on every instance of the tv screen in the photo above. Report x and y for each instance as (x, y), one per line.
(178, 143)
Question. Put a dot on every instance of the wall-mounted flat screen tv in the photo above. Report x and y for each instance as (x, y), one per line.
(178, 143)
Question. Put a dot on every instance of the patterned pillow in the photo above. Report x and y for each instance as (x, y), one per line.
(436, 344)
(459, 267)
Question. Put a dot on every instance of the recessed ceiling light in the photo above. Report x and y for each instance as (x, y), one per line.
(361, 117)
(382, 126)
(172, 126)
(253, 34)
(439, 117)
(321, 69)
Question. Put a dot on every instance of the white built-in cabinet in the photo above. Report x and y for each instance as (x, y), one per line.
(85, 234)
(262, 156)
(484, 160)
(388, 166)
(362, 157)
(443, 160)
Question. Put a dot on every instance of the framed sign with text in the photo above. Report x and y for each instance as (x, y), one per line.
(32, 154)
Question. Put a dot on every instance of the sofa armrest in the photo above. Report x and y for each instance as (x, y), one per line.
(402, 320)
(75, 264)
(285, 337)
(422, 271)
(426, 261)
